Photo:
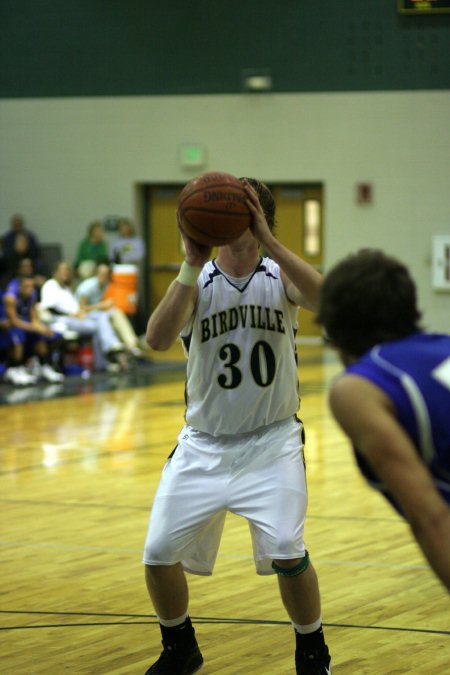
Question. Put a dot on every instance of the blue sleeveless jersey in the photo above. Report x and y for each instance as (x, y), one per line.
(414, 373)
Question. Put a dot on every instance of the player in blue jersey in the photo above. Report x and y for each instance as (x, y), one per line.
(393, 400)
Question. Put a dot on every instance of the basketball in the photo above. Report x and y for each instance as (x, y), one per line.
(213, 209)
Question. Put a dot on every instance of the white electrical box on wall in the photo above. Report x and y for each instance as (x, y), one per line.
(441, 262)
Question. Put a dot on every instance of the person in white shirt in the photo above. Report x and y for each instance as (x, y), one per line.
(65, 314)
(90, 294)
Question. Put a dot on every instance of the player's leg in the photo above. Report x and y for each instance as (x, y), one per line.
(124, 329)
(108, 338)
(276, 512)
(40, 346)
(297, 578)
(299, 592)
(85, 328)
(13, 340)
(166, 583)
(185, 525)
(168, 590)
(299, 589)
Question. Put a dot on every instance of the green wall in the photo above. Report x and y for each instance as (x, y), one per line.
(144, 47)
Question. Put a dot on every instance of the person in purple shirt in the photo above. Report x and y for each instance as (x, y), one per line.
(393, 399)
(12, 365)
(26, 268)
(33, 336)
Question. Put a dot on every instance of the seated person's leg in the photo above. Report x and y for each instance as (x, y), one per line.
(40, 346)
(124, 329)
(108, 338)
(111, 347)
(16, 373)
(84, 328)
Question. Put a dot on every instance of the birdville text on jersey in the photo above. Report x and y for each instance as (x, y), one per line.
(253, 316)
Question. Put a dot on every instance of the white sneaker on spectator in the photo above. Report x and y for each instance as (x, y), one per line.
(12, 375)
(69, 334)
(18, 375)
(51, 375)
(28, 378)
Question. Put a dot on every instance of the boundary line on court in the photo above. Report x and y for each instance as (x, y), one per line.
(152, 619)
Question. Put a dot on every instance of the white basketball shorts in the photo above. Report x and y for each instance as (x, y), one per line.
(258, 475)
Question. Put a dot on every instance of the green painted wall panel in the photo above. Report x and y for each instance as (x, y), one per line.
(144, 47)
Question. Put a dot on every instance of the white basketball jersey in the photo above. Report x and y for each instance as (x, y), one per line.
(242, 366)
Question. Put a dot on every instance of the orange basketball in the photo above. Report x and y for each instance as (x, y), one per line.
(213, 209)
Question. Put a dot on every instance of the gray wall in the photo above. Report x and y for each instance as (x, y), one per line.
(67, 161)
(97, 96)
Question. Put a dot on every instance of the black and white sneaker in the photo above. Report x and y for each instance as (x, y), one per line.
(177, 660)
(313, 663)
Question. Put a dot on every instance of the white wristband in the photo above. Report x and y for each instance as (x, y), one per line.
(188, 274)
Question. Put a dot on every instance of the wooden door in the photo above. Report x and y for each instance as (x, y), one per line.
(299, 218)
(164, 248)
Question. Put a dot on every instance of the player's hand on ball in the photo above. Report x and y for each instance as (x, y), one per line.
(196, 254)
(259, 226)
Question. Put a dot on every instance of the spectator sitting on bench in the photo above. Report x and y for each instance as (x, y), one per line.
(90, 294)
(11, 352)
(65, 313)
(92, 250)
(30, 335)
(127, 246)
(26, 268)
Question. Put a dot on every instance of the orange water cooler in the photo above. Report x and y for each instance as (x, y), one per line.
(123, 288)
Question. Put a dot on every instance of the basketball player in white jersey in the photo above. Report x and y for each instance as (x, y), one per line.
(241, 449)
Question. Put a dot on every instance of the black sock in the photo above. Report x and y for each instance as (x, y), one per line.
(182, 633)
(310, 642)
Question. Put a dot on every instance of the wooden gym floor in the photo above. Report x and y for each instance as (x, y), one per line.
(79, 466)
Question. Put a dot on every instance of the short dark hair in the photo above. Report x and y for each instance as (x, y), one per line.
(92, 226)
(368, 298)
(266, 200)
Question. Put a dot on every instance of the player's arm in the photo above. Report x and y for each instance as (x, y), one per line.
(170, 315)
(178, 304)
(34, 325)
(301, 281)
(12, 315)
(367, 416)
